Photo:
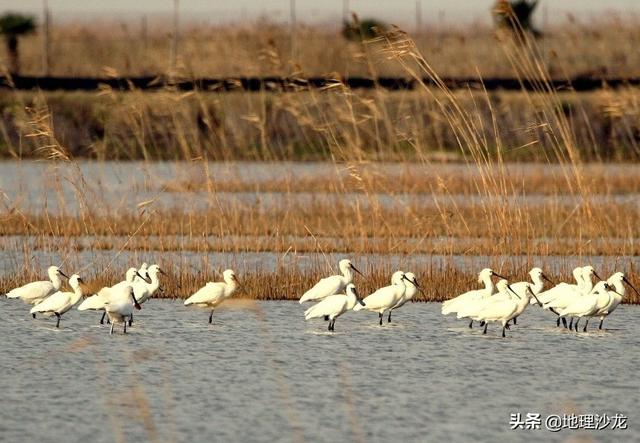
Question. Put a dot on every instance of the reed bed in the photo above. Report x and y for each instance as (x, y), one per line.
(602, 45)
(333, 124)
(431, 179)
(577, 212)
(497, 220)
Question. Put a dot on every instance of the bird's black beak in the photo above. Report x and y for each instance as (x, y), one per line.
(143, 278)
(415, 282)
(356, 269)
(546, 278)
(597, 276)
(135, 302)
(511, 289)
(63, 274)
(624, 279)
(536, 297)
(500, 276)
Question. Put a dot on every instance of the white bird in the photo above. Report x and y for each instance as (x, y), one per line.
(569, 294)
(505, 310)
(411, 290)
(385, 298)
(144, 289)
(142, 273)
(98, 301)
(331, 285)
(537, 277)
(34, 292)
(550, 294)
(334, 306)
(588, 304)
(617, 280)
(473, 307)
(60, 302)
(214, 293)
(120, 306)
(456, 303)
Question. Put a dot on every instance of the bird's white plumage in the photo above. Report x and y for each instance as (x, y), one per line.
(452, 306)
(34, 292)
(60, 302)
(98, 301)
(386, 297)
(331, 285)
(333, 306)
(143, 289)
(214, 293)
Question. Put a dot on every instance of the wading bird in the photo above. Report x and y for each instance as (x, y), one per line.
(588, 304)
(214, 293)
(34, 292)
(334, 306)
(120, 307)
(504, 311)
(569, 294)
(60, 302)
(453, 305)
(550, 294)
(411, 290)
(385, 298)
(331, 285)
(98, 301)
(473, 307)
(617, 280)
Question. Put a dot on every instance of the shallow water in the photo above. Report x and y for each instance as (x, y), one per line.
(32, 186)
(261, 373)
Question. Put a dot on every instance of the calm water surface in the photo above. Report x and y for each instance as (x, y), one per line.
(261, 373)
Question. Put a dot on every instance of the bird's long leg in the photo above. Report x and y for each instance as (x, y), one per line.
(515, 320)
(471, 324)
(33, 315)
(333, 325)
(571, 323)
(503, 334)
(485, 328)
(58, 322)
(558, 322)
(329, 327)
(585, 326)
(124, 322)
(104, 314)
(111, 330)
(601, 321)
(380, 315)
(389, 320)
(131, 319)
(211, 317)
(508, 326)
(564, 322)
(576, 325)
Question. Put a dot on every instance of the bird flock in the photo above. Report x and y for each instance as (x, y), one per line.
(502, 302)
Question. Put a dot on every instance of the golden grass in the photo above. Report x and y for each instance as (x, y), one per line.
(345, 220)
(332, 124)
(604, 45)
(351, 129)
(406, 178)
